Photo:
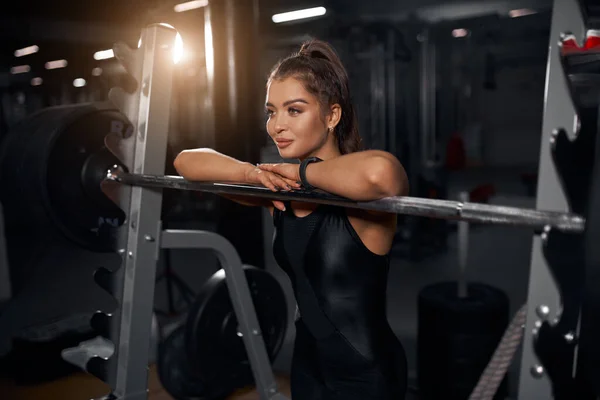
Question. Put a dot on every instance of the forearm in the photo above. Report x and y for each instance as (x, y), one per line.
(210, 166)
(361, 176)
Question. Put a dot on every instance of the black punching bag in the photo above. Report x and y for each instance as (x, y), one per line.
(457, 337)
(235, 100)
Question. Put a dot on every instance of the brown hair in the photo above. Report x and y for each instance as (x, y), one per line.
(322, 74)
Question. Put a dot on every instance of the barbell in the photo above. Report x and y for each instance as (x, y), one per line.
(443, 209)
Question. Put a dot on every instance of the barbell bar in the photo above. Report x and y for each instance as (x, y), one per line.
(442, 209)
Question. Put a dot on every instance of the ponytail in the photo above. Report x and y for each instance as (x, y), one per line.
(323, 75)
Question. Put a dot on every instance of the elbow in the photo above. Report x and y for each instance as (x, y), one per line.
(187, 161)
(180, 162)
(388, 176)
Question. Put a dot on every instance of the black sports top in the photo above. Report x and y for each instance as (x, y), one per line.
(339, 284)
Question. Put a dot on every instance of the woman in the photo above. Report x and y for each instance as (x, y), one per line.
(337, 258)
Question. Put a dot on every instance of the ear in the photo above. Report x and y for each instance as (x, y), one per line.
(335, 115)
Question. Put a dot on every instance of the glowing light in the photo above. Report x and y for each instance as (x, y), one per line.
(521, 12)
(27, 51)
(97, 71)
(37, 81)
(104, 54)
(299, 14)
(458, 33)
(178, 49)
(56, 64)
(190, 5)
(20, 69)
(79, 82)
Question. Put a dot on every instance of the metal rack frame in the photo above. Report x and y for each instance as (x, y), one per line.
(559, 112)
(142, 236)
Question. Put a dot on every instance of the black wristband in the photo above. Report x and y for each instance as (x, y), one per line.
(303, 166)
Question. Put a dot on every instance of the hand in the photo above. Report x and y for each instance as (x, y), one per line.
(286, 170)
(273, 181)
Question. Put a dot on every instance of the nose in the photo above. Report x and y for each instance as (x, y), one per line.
(279, 125)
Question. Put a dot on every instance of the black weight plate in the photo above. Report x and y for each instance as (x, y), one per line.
(215, 346)
(25, 172)
(56, 166)
(75, 163)
(25, 219)
(173, 370)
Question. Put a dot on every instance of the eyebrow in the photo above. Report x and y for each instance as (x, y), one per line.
(287, 103)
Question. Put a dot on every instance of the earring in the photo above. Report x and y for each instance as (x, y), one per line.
(330, 129)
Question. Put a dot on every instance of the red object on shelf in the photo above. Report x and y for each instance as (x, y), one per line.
(482, 193)
(456, 156)
(592, 43)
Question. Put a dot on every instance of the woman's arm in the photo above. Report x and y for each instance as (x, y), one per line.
(361, 176)
(209, 165)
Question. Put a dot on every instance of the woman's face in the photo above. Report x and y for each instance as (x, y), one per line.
(294, 120)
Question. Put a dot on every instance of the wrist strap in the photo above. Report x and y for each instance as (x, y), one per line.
(303, 166)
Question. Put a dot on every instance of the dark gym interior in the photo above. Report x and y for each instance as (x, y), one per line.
(457, 90)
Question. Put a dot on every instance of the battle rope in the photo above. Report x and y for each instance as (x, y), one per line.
(494, 372)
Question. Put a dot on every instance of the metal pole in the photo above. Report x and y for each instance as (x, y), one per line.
(444, 209)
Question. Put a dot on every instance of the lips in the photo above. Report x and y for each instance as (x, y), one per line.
(283, 143)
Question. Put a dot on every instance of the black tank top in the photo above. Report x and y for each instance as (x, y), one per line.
(339, 284)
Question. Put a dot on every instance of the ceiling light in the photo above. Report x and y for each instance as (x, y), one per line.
(458, 33)
(190, 5)
(37, 81)
(299, 14)
(26, 51)
(79, 82)
(20, 69)
(56, 64)
(104, 54)
(521, 12)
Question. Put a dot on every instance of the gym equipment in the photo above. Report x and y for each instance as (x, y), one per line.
(457, 337)
(459, 325)
(472, 212)
(205, 356)
(147, 105)
(561, 357)
(47, 166)
(139, 240)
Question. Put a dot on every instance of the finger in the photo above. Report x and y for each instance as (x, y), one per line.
(279, 205)
(272, 184)
(282, 183)
(293, 184)
(266, 182)
(267, 167)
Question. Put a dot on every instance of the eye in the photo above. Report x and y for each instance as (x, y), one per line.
(268, 112)
(293, 111)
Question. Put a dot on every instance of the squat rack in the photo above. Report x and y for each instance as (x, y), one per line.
(544, 298)
(124, 366)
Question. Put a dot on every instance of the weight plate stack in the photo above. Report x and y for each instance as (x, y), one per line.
(206, 357)
(457, 337)
(213, 338)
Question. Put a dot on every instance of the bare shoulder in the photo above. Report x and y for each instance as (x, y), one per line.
(375, 229)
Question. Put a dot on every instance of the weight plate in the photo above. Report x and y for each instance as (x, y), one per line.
(173, 370)
(44, 167)
(214, 342)
(75, 165)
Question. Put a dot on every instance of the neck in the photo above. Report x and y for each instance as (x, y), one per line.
(328, 151)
